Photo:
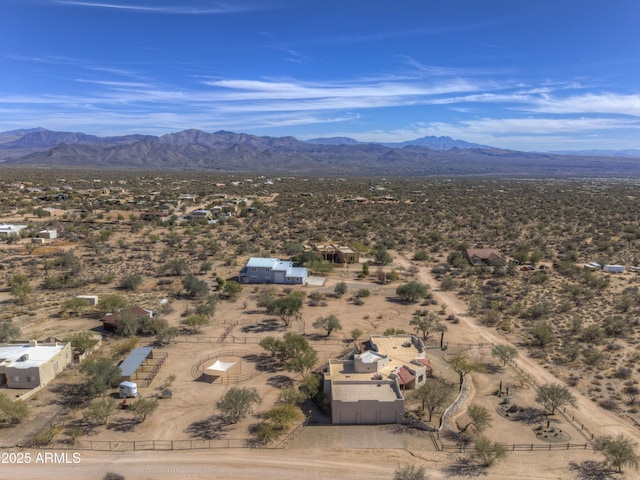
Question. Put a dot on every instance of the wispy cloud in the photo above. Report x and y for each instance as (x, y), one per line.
(185, 8)
(610, 103)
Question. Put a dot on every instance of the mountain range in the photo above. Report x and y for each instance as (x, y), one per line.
(239, 152)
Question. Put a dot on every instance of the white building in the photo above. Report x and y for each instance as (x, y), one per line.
(32, 365)
(7, 229)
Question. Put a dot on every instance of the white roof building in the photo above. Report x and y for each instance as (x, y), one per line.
(32, 365)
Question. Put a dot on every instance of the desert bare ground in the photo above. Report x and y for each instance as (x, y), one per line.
(333, 452)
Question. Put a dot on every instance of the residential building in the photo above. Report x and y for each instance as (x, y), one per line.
(33, 364)
(337, 253)
(8, 229)
(368, 389)
(272, 270)
(485, 256)
(110, 320)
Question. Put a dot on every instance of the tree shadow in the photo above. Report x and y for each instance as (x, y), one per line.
(528, 415)
(463, 467)
(123, 424)
(280, 381)
(212, 428)
(264, 362)
(88, 428)
(69, 395)
(264, 326)
(592, 470)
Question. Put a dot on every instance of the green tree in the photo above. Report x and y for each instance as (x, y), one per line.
(480, 418)
(101, 375)
(303, 362)
(131, 282)
(487, 451)
(8, 331)
(208, 308)
(237, 403)
(542, 334)
(144, 407)
(462, 365)
(231, 289)
(618, 451)
(411, 292)
(291, 396)
(433, 395)
(12, 412)
(129, 324)
(20, 287)
(196, 321)
(425, 322)
(553, 395)
(283, 415)
(176, 267)
(340, 289)
(100, 410)
(73, 306)
(356, 333)
(504, 352)
(328, 324)
(381, 255)
(420, 256)
(168, 335)
(111, 304)
(410, 472)
(288, 307)
(194, 286)
(82, 341)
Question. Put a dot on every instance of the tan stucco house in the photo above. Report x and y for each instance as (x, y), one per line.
(33, 364)
(368, 389)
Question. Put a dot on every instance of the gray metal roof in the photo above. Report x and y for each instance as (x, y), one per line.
(262, 262)
(134, 360)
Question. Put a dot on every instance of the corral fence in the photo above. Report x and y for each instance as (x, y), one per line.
(432, 344)
(519, 447)
(188, 444)
(146, 372)
(198, 369)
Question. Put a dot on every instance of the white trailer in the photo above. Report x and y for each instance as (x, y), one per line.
(128, 389)
(613, 268)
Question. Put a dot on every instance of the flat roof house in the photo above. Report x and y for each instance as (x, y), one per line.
(272, 270)
(368, 389)
(32, 365)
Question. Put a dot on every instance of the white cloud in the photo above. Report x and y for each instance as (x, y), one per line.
(183, 8)
(610, 103)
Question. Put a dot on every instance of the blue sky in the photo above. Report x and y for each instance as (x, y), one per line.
(525, 75)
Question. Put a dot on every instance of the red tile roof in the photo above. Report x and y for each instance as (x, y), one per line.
(425, 362)
(405, 376)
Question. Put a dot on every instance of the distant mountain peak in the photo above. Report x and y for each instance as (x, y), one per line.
(431, 142)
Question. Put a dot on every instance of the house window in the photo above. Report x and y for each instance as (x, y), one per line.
(420, 378)
(268, 269)
(30, 379)
(15, 378)
(254, 278)
(254, 269)
(55, 366)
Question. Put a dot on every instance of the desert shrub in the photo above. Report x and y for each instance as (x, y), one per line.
(608, 404)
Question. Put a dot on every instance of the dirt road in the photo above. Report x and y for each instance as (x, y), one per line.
(469, 330)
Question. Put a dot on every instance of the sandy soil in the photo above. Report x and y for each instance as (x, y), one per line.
(193, 402)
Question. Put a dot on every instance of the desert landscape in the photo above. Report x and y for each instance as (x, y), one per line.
(129, 238)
